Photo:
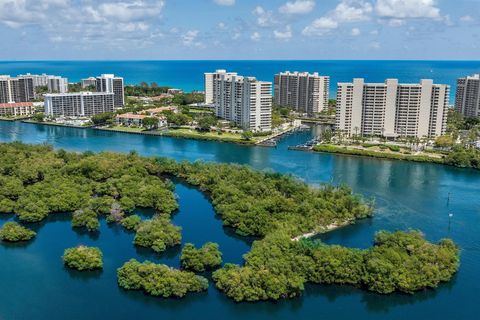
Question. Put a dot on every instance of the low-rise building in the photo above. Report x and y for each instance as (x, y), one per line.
(17, 109)
(174, 91)
(131, 119)
(79, 104)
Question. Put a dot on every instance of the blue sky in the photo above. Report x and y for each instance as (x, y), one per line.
(239, 29)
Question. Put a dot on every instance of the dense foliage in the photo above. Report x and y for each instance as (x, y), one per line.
(131, 222)
(83, 258)
(85, 218)
(199, 260)
(158, 234)
(278, 267)
(257, 203)
(463, 157)
(13, 232)
(145, 90)
(36, 181)
(159, 280)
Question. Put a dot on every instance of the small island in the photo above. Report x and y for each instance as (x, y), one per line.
(278, 268)
(158, 234)
(200, 260)
(83, 258)
(159, 280)
(13, 232)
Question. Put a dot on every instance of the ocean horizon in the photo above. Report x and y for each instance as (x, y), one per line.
(188, 74)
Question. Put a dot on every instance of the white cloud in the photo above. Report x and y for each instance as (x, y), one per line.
(225, 2)
(255, 36)
(345, 12)
(283, 35)
(375, 45)
(351, 10)
(320, 26)
(264, 17)
(467, 18)
(404, 9)
(297, 7)
(133, 10)
(355, 32)
(189, 38)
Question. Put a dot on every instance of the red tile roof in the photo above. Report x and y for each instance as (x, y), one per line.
(17, 104)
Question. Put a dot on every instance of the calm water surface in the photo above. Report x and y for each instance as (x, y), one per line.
(35, 284)
(188, 75)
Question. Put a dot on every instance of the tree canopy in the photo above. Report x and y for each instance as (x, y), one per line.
(83, 258)
(199, 260)
(159, 280)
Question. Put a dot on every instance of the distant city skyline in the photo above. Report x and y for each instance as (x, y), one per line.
(239, 29)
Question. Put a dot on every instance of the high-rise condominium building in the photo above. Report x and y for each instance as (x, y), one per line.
(57, 84)
(243, 100)
(110, 83)
(467, 99)
(81, 104)
(19, 89)
(303, 92)
(391, 109)
(90, 81)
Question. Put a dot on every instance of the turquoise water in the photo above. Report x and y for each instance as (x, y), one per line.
(35, 285)
(188, 75)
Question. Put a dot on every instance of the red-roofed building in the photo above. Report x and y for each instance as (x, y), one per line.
(17, 109)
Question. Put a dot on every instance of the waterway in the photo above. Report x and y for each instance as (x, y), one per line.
(35, 285)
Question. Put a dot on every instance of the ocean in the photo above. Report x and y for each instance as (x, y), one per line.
(188, 75)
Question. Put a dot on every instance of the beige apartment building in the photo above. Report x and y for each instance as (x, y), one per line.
(302, 91)
(245, 101)
(392, 109)
(79, 104)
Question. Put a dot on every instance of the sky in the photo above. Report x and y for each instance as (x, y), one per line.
(239, 29)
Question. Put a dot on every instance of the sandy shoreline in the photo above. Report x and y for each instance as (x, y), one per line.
(328, 228)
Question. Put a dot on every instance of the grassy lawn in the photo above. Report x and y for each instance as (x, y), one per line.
(125, 129)
(194, 134)
(379, 152)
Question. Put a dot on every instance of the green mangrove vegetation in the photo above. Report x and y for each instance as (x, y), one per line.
(37, 181)
(131, 222)
(199, 260)
(159, 280)
(83, 258)
(158, 234)
(278, 209)
(13, 232)
(85, 218)
(278, 267)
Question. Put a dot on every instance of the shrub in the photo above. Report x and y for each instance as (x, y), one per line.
(85, 218)
(199, 260)
(13, 232)
(83, 258)
(131, 222)
(159, 280)
(158, 234)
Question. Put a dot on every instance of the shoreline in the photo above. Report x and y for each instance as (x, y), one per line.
(333, 149)
(331, 227)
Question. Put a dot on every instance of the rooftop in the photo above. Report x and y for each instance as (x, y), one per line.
(16, 104)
